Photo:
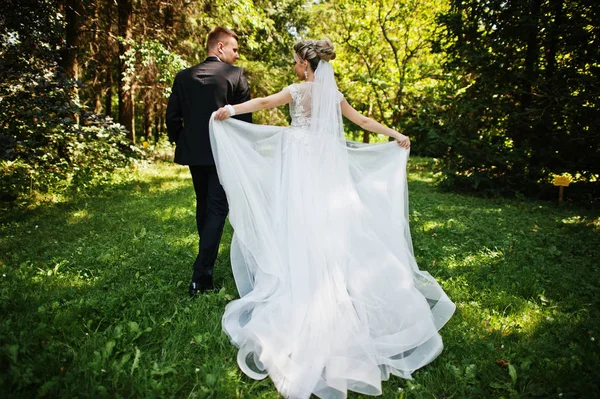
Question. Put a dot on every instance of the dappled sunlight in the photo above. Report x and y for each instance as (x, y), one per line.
(432, 225)
(501, 315)
(419, 171)
(420, 178)
(176, 212)
(573, 220)
(109, 273)
(584, 221)
(168, 185)
(472, 260)
(78, 216)
(493, 210)
(518, 317)
(483, 207)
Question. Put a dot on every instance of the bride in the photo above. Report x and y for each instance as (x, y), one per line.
(331, 298)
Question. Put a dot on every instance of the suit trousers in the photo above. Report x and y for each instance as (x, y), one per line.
(211, 211)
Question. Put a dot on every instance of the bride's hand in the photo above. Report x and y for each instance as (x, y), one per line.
(403, 141)
(222, 114)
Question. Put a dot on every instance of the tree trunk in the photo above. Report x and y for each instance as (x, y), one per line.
(109, 91)
(147, 118)
(94, 48)
(109, 56)
(551, 86)
(520, 126)
(530, 131)
(161, 120)
(531, 57)
(97, 102)
(126, 98)
(156, 123)
(553, 36)
(72, 10)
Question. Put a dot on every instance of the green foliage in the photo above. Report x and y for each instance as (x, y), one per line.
(528, 104)
(161, 150)
(508, 98)
(93, 293)
(384, 65)
(72, 158)
(151, 57)
(41, 145)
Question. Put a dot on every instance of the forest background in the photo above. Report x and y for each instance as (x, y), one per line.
(97, 228)
(505, 95)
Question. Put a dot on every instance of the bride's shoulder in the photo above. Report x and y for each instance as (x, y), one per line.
(299, 89)
(299, 86)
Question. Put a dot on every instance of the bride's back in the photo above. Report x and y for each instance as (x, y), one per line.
(300, 107)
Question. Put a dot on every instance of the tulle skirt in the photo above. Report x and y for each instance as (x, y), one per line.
(331, 298)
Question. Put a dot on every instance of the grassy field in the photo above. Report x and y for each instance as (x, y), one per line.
(93, 296)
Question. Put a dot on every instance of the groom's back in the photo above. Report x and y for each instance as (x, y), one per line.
(198, 91)
(207, 86)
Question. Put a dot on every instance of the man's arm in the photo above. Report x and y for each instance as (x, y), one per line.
(174, 114)
(242, 95)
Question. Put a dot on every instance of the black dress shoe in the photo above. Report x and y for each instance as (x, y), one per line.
(200, 287)
(194, 289)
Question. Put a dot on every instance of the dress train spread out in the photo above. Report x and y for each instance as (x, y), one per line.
(331, 298)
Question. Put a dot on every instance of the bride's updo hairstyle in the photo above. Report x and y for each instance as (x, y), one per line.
(314, 51)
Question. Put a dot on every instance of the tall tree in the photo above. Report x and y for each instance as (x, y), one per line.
(385, 63)
(125, 82)
(73, 11)
(530, 103)
(41, 56)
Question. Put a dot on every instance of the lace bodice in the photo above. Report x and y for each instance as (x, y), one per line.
(300, 107)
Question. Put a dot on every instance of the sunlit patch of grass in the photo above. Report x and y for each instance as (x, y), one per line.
(432, 225)
(78, 216)
(93, 293)
(421, 178)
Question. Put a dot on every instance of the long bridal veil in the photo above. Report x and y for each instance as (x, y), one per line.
(331, 298)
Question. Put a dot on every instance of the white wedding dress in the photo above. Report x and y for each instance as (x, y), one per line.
(331, 298)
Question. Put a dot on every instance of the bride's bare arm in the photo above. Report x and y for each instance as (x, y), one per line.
(257, 104)
(372, 125)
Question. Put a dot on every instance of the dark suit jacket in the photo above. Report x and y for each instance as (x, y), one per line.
(198, 92)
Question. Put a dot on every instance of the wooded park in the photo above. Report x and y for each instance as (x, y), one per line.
(504, 95)
(501, 101)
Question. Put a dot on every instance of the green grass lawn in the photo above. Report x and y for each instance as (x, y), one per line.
(94, 297)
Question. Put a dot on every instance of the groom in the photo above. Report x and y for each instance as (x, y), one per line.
(197, 92)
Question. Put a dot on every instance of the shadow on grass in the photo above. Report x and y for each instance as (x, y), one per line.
(95, 290)
(95, 293)
(525, 280)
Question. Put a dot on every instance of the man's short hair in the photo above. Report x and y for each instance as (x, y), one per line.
(217, 35)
